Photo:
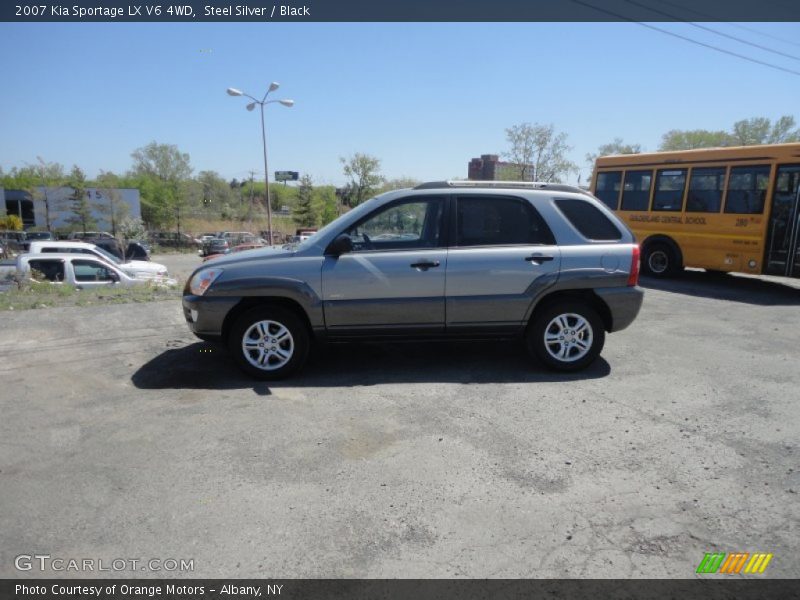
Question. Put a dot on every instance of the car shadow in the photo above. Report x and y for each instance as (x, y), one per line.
(205, 366)
(727, 286)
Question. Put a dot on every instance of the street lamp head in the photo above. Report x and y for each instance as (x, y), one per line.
(288, 103)
(274, 86)
(234, 92)
(251, 106)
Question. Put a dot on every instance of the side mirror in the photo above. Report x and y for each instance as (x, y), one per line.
(341, 245)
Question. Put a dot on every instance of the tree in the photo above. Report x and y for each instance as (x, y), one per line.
(677, 139)
(329, 201)
(538, 152)
(162, 170)
(50, 175)
(363, 171)
(615, 147)
(399, 183)
(760, 130)
(306, 213)
(110, 203)
(79, 202)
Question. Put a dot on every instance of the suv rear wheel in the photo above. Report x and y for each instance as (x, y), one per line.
(566, 336)
(269, 342)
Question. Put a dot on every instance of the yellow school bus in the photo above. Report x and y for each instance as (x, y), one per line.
(722, 209)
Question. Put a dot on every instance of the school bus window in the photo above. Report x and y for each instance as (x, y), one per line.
(669, 189)
(747, 190)
(636, 190)
(607, 188)
(705, 190)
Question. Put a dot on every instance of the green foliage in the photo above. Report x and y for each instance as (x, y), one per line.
(328, 202)
(110, 203)
(399, 183)
(615, 147)
(79, 204)
(538, 151)
(747, 132)
(161, 172)
(363, 172)
(11, 223)
(307, 210)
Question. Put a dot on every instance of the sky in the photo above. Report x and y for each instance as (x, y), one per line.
(424, 98)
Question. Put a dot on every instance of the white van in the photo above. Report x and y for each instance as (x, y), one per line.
(134, 268)
(81, 270)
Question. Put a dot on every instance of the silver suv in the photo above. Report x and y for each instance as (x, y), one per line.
(548, 263)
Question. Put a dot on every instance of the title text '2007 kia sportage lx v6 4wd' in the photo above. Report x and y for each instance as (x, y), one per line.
(545, 262)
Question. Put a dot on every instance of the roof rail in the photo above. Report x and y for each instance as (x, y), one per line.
(524, 185)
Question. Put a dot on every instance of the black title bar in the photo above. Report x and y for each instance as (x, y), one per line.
(396, 589)
(398, 10)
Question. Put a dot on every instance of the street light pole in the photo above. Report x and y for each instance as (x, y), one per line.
(266, 176)
(288, 103)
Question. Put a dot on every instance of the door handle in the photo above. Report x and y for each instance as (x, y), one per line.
(425, 265)
(538, 259)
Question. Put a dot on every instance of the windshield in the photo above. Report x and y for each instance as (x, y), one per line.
(356, 212)
(108, 255)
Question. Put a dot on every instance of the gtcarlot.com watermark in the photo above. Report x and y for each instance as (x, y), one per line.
(45, 562)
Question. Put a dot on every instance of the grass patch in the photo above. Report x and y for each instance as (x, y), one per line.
(47, 295)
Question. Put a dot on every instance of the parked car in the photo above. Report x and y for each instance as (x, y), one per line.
(547, 263)
(214, 247)
(134, 268)
(173, 239)
(38, 236)
(239, 248)
(137, 250)
(82, 271)
(87, 235)
(13, 242)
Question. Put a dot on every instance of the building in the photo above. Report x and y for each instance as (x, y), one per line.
(489, 167)
(31, 207)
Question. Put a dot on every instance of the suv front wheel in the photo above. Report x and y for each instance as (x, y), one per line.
(566, 336)
(269, 342)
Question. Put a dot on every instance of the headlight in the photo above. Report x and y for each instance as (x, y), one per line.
(202, 280)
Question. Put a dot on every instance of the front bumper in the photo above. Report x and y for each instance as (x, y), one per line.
(624, 304)
(206, 314)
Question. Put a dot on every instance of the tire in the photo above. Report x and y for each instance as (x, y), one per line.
(566, 336)
(269, 342)
(659, 260)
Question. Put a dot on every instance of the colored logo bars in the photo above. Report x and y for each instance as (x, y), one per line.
(716, 562)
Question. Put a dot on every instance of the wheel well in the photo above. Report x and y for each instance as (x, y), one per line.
(249, 303)
(587, 296)
(666, 240)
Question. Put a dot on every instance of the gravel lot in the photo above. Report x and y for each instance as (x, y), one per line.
(124, 437)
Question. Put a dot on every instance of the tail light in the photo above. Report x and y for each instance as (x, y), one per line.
(633, 278)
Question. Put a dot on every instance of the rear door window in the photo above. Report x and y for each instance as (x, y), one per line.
(47, 270)
(499, 221)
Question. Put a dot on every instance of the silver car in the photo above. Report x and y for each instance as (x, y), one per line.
(547, 263)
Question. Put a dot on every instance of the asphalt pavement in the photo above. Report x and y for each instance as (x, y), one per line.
(124, 437)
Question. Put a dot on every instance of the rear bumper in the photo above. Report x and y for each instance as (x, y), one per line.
(205, 315)
(623, 303)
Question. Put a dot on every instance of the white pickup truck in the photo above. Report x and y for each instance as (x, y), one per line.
(134, 268)
(81, 270)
